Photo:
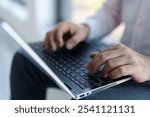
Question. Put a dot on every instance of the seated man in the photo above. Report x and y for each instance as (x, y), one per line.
(129, 58)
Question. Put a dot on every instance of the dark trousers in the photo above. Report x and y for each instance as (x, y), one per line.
(29, 83)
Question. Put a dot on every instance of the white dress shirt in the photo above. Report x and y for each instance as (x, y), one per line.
(136, 16)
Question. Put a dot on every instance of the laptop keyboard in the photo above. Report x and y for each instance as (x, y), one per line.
(71, 66)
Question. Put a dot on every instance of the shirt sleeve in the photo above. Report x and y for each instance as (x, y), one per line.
(105, 20)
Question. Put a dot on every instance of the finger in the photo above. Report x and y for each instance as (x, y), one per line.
(74, 41)
(114, 63)
(59, 38)
(101, 59)
(93, 54)
(46, 41)
(121, 71)
(51, 42)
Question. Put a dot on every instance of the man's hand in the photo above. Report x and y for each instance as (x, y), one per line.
(66, 33)
(121, 61)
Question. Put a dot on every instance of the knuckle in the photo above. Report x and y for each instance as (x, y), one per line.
(130, 58)
(109, 64)
(102, 57)
(126, 50)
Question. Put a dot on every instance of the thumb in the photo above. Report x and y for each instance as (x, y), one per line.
(72, 42)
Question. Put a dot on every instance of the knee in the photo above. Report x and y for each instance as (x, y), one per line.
(18, 59)
(17, 66)
(19, 62)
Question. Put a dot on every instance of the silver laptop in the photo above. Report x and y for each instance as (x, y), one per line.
(66, 68)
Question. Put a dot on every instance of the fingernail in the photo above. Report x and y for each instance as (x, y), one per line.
(69, 46)
(54, 48)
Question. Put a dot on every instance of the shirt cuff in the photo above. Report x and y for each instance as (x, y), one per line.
(95, 28)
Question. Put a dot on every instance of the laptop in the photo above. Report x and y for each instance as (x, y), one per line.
(66, 68)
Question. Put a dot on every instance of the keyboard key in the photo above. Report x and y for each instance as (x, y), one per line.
(86, 71)
(82, 81)
(78, 66)
(68, 71)
(73, 74)
(87, 85)
(60, 70)
(82, 86)
(74, 80)
(82, 73)
(73, 68)
(77, 77)
(77, 71)
(61, 66)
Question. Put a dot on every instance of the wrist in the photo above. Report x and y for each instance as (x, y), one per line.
(86, 30)
(148, 67)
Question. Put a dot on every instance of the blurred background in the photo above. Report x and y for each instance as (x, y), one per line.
(32, 19)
